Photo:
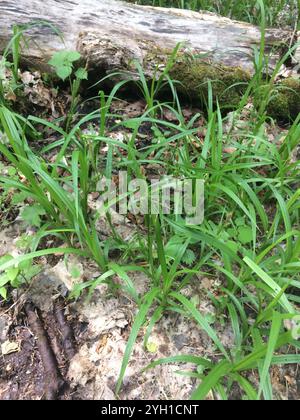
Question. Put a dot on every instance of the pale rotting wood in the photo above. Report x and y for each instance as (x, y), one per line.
(110, 33)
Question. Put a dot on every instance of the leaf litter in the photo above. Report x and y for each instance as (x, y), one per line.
(102, 323)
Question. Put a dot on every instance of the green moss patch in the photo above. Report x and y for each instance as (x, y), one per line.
(284, 104)
(228, 83)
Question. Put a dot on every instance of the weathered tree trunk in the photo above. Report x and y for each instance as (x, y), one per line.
(111, 35)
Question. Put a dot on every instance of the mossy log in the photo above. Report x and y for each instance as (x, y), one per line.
(111, 35)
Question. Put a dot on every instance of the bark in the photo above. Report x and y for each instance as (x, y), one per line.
(67, 335)
(53, 380)
(110, 34)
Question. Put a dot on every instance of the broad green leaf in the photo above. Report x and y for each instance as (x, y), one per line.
(4, 280)
(19, 198)
(245, 234)
(3, 292)
(64, 71)
(81, 74)
(72, 56)
(189, 257)
(63, 61)
(61, 58)
(12, 273)
(31, 215)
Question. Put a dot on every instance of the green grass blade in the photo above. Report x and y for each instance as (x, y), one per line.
(201, 321)
(273, 338)
(271, 283)
(138, 323)
(211, 380)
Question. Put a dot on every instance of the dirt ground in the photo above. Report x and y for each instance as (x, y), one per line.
(88, 339)
(100, 327)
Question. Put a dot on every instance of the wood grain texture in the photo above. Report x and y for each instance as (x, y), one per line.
(110, 33)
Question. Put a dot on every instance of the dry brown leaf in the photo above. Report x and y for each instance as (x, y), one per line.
(135, 109)
(9, 347)
(230, 150)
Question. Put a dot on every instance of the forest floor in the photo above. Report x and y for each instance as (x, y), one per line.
(97, 333)
(99, 325)
(64, 331)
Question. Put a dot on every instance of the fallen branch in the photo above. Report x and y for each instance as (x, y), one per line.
(68, 340)
(53, 380)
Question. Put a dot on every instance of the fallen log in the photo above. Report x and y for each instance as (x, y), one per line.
(111, 35)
